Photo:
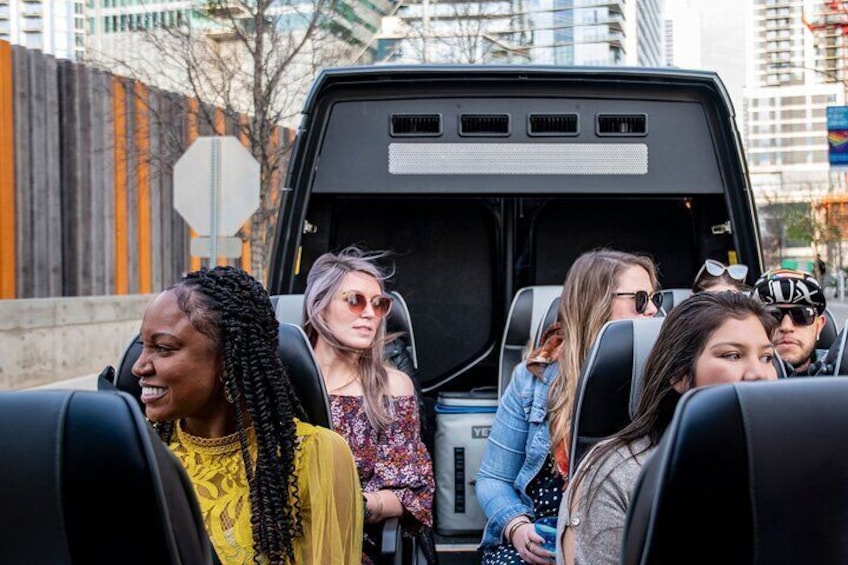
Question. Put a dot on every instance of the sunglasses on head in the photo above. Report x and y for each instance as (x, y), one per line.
(716, 269)
(800, 315)
(641, 297)
(356, 302)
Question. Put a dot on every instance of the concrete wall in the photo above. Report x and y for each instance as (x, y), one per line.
(45, 340)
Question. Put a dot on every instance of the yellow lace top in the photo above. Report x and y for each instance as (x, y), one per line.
(330, 495)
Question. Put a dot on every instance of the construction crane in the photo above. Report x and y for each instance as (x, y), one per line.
(829, 26)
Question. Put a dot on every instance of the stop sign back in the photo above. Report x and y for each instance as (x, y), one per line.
(216, 186)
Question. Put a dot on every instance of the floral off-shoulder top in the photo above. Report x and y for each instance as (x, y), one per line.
(393, 459)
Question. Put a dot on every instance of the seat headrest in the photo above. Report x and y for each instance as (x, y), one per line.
(304, 374)
(610, 382)
(529, 307)
(547, 320)
(725, 459)
(294, 351)
(671, 298)
(71, 455)
(829, 331)
(124, 378)
(289, 309)
(837, 355)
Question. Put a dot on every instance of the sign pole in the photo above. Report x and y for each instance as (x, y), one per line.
(215, 200)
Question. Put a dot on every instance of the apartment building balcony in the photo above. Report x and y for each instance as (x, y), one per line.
(32, 11)
(226, 9)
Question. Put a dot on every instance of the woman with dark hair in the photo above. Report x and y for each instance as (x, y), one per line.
(374, 406)
(271, 488)
(710, 338)
(525, 466)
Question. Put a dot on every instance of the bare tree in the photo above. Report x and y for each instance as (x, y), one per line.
(253, 58)
(461, 32)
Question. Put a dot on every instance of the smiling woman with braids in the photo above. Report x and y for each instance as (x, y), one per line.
(271, 488)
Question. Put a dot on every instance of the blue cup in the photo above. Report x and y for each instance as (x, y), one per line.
(547, 528)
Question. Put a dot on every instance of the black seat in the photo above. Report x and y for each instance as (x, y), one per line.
(294, 351)
(837, 355)
(671, 297)
(829, 331)
(125, 381)
(749, 473)
(529, 306)
(87, 480)
(610, 382)
(304, 373)
(289, 309)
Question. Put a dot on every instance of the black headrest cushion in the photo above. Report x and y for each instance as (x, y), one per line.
(302, 369)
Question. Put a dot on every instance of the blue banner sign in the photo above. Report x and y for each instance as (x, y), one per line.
(837, 135)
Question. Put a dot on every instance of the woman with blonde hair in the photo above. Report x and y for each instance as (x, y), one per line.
(524, 469)
(373, 405)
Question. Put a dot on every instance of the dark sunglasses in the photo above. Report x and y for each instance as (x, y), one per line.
(642, 297)
(800, 315)
(716, 269)
(357, 301)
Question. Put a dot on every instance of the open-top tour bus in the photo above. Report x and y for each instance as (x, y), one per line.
(488, 180)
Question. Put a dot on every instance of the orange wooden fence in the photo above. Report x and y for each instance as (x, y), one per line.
(86, 183)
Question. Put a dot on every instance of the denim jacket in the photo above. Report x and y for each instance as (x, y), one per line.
(518, 445)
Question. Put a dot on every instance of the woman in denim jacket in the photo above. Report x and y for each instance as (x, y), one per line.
(522, 474)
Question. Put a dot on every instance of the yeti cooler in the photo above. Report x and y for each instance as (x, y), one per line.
(463, 423)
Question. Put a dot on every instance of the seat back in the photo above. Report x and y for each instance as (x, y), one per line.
(547, 320)
(764, 460)
(837, 355)
(304, 374)
(294, 351)
(124, 379)
(529, 306)
(671, 298)
(289, 309)
(87, 480)
(829, 331)
(610, 382)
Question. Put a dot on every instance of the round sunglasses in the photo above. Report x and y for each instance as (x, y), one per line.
(715, 268)
(641, 297)
(800, 315)
(356, 302)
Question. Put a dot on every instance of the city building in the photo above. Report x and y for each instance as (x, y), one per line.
(558, 32)
(710, 35)
(794, 74)
(56, 27)
(797, 70)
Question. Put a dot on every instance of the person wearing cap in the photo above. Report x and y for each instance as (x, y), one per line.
(797, 302)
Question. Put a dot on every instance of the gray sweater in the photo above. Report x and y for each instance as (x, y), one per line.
(600, 507)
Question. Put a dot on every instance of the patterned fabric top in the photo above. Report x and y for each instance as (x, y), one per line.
(394, 459)
(330, 498)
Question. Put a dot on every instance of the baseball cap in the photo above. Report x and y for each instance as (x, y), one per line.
(788, 287)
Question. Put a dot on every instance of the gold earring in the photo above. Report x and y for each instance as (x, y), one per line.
(227, 394)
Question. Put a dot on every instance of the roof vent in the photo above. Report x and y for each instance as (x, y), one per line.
(415, 125)
(484, 125)
(622, 124)
(552, 124)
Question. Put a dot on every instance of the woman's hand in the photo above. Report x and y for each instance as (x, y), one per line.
(382, 504)
(528, 544)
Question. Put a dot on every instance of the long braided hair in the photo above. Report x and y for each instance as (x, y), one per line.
(234, 310)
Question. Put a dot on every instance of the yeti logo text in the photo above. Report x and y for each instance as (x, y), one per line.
(480, 432)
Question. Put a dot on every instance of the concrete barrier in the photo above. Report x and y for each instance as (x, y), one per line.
(52, 339)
